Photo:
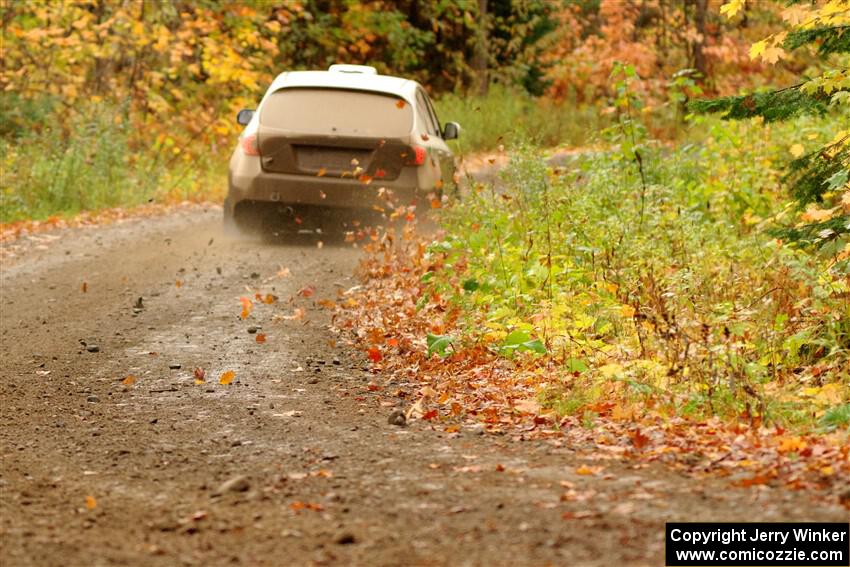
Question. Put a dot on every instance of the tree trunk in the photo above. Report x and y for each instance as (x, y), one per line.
(700, 63)
(479, 60)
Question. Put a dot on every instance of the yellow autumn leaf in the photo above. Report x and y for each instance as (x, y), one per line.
(729, 9)
(129, 380)
(758, 48)
(227, 378)
(627, 311)
(830, 394)
(772, 54)
(797, 150)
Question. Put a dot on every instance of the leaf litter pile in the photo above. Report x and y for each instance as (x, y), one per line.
(406, 335)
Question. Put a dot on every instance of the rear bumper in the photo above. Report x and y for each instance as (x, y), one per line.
(248, 182)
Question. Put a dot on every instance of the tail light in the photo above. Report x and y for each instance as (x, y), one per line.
(416, 156)
(250, 145)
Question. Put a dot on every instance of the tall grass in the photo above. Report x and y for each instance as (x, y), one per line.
(506, 116)
(85, 159)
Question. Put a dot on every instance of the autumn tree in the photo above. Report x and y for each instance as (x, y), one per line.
(818, 180)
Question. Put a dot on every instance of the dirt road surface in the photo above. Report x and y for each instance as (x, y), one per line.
(294, 462)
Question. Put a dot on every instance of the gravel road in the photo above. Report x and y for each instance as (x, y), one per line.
(294, 462)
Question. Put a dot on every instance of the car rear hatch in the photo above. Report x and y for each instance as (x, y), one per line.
(335, 133)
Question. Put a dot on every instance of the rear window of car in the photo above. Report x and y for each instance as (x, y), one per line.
(337, 112)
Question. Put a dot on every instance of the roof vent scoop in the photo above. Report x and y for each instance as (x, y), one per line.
(362, 69)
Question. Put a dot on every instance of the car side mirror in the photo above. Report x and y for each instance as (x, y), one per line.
(244, 117)
(451, 131)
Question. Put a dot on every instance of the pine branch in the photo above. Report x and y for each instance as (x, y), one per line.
(831, 39)
(808, 175)
(776, 105)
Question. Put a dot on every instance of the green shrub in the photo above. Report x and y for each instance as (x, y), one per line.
(653, 280)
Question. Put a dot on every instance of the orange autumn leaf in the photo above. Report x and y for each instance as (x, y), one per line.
(247, 306)
(199, 373)
(399, 104)
(321, 173)
(297, 506)
(261, 338)
(84, 287)
(129, 380)
(178, 283)
(639, 440)
(374, 354)
(269, 299)
(586, 470)
(792, 444)
(91, 503)
(227, 378)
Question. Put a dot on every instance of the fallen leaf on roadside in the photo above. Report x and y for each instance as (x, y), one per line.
(586, 470)
(91, 503)
(227, 378)
(84, 287)
(261, 338)
(178, 284)
(129, 380)
(789, 444)
(199, 375)
(639, 440)
(269, 299)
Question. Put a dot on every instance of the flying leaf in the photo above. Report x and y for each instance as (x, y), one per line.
(91, 503)
(261, 338)
(227, 378)
(374, 354)
(199, 375)
(129, 380)
(84, 287)
(399, 104)
(247, 306)
(587, 470)
(307, 291)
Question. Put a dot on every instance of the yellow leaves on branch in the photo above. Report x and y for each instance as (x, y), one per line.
(730, 9)
(799, 17)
